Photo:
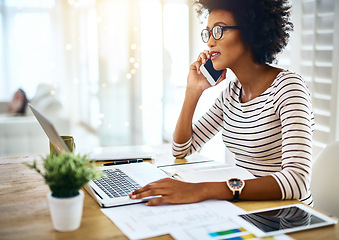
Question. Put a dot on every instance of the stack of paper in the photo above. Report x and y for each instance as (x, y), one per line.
(206, 172)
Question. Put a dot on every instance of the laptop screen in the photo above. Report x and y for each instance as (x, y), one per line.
(50, 131)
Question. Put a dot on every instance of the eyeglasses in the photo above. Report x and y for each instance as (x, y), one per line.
(216, 31)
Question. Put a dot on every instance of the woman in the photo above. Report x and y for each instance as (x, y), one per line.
(265, 114)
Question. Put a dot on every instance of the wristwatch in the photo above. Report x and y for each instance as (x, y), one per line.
(235, 185)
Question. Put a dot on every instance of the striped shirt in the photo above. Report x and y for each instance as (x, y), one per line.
(269, 135)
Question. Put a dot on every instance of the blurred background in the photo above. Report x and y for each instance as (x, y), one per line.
(113, 73)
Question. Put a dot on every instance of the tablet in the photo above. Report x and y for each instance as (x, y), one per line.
(283, 219)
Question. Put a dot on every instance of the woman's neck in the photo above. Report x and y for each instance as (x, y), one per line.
(255, 79)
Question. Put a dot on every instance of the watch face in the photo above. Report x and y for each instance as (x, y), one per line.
(236, 183)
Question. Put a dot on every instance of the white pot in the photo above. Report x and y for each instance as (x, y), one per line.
(66, 213)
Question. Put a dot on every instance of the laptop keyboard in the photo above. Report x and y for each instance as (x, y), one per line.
(116, 183)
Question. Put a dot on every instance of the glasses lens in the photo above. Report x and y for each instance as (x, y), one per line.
(205, 35)
(217, 32)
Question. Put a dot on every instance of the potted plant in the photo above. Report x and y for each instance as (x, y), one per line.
(65, 174)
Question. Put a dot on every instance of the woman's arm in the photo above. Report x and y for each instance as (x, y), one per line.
(174, 191)
(294, 107)
(196, 85)
(202, 130)
(183, 129)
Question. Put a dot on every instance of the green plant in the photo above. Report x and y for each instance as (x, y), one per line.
(66, 173)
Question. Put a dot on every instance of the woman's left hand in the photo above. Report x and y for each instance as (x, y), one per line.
(170, 191)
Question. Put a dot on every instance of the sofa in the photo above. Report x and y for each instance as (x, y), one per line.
(21, 135)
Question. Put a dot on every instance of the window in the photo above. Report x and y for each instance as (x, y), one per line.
(151, 39)
(26, 61)
(120, 67)
(313, 52)
(106, 60)
(176, 62)
(2, 59)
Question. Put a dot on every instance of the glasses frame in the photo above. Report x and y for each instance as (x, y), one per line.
(211, 32)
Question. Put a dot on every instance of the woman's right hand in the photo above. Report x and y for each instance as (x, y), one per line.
(196, 81)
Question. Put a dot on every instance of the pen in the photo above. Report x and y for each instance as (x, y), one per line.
(119, 159)
(124, 162)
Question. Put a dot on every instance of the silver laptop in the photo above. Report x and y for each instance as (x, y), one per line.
(119, 181)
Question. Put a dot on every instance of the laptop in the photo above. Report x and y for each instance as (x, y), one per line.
(119, 180)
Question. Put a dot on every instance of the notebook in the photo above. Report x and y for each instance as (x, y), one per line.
(119, 180)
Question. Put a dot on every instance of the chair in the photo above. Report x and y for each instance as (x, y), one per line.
(325, 180)
(22, 135)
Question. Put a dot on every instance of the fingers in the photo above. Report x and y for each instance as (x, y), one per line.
(164, 190)
(169, 190)
(144, 193)
(152, 189)
(196, 66)
(202, 58)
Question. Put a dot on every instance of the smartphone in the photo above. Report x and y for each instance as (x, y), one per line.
(210, 73)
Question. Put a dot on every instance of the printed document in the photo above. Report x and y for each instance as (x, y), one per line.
(221, 231)
(138, 221)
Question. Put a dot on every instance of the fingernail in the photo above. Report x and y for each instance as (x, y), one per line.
(134, 196)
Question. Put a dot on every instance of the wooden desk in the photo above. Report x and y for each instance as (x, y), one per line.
(24, 212)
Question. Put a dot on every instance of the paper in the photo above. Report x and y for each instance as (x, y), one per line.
(207, 172)
(139, 221)
(222, 230)
(173, 169)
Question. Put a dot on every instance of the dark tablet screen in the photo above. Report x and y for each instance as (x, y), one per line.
(282, 219)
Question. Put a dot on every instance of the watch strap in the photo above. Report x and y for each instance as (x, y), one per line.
(236, 196)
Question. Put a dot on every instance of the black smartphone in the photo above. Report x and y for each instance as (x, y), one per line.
(210, 73)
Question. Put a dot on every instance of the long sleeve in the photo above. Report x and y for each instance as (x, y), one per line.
(203, 130)
(294, 109)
